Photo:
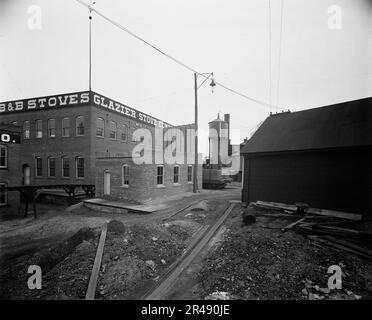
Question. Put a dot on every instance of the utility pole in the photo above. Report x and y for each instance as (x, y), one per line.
(90, 48)
(196, 87)
(195, 171)
(90, 7)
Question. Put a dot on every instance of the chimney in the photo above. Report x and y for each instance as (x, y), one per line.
(227, 119)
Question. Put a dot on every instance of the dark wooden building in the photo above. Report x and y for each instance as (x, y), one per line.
(320, 156)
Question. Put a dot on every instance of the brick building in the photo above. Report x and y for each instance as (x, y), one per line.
(10, 168)
(63, 135)
(124, 178)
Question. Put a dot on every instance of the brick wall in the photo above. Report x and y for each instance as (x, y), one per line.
(58, 147)
(12, 174)
(142, 180)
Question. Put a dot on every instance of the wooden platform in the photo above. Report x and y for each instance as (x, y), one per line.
(121, 207)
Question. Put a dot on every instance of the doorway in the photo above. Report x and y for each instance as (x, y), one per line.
(26, 174)
(106, 183)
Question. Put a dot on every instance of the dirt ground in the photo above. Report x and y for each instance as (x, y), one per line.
(259, 261)
(256, 261)
(64, 245)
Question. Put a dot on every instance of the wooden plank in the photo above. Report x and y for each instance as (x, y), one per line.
(290, 226)
(97, 265)
(337, 214)
(350, 245)
(322, 212)
(277, 205)
(341, 247)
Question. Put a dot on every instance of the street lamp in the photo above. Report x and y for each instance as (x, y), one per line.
(196, 87)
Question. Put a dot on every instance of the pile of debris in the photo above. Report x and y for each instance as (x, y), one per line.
(314, 292)
(339, 231)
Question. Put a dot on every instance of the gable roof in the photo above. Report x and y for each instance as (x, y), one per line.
(345, 124)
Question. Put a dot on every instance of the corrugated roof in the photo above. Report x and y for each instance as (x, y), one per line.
(345, 124)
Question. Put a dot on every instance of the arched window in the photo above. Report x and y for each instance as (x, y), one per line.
(176, 175)
(26, 129)
(160, 175)
(51, 128)
(80, 126)
(51, 167)
(39, 128)
(112, 134)
(189, 173)
(3, 156)
(65, 127)
(65, 167)
(3, 195)
(124, 133)
(38, 167)
(125, 175)
(79, 167)
(100, 124)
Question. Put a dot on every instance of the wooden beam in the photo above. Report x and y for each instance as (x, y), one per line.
(97, 265)
(321, 212)
(290, 226)
(336, 214)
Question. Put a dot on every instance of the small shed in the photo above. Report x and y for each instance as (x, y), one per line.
(320, 156)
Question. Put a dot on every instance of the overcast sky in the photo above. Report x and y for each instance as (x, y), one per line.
(319, 65)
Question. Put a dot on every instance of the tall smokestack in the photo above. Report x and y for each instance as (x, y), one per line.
(227, 119)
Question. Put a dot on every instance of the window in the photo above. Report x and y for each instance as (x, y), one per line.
(80, 126)
(65, 167)
(3, 156)
(3, 195)
(39, 128)
(176, 176)
(133, 137)
(125, 175)
(100, 128)
(51, 167)
(38, 167)
(112, 130)
(189, 173)
(124, 133)
(52, 128)
(80, 167)
(26, 129)
(65, 127)
(160, 175)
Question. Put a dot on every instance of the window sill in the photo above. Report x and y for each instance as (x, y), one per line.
(99, 137)
(125, 186)
(176, 184)
(160, 186)
(189, 182)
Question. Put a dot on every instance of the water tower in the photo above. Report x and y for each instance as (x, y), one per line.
(218, 141)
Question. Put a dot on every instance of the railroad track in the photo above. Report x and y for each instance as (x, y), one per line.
(202, 237)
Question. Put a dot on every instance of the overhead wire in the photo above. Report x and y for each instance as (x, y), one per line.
(169, 56)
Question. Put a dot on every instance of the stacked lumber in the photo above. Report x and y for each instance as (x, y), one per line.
(313, 211)
(327, 234)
